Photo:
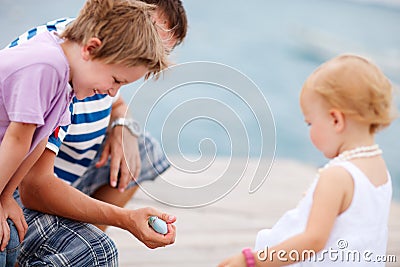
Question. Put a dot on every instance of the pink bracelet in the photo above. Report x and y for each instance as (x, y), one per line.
(248, 255)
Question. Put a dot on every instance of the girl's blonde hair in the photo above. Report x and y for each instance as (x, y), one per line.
(126, 30)
(356, 87)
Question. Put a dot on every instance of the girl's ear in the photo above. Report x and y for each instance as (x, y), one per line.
(338, 119)
(88, 49)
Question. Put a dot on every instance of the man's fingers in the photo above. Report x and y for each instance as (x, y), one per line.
(114, 170)
(168, 218)
(103, 157)
(171, 233)
(137, 168)
(124, 178)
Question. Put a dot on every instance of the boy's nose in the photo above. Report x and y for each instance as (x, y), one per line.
(112, 91)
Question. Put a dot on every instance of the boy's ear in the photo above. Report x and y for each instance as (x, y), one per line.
(338, 119)
(87, 50)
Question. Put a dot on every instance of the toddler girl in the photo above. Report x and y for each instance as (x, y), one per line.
(342, 220)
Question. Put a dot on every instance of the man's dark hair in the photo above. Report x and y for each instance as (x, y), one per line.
(175, 14)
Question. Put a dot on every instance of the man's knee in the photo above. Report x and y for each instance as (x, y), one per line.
(70, 244)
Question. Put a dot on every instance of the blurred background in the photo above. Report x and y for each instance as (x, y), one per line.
(277, 44)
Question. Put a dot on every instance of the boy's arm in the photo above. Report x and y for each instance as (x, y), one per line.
(41, 190)
(10, 206)
(13, 149)
(24, 168)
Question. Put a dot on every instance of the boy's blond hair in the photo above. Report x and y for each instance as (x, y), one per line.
(126, 30)
(356, 87)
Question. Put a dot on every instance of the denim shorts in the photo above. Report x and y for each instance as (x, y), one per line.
(153, 163)
(9, 256)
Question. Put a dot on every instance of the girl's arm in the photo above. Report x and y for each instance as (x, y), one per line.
(13, 149)
(331, 198)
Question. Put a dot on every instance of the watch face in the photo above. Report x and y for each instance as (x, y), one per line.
(134, 127)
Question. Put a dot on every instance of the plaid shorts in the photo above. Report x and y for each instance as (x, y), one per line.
(57, 241)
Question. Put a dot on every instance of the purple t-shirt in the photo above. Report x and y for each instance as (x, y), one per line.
(34, 86)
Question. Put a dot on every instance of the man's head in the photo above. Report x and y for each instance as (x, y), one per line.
(171, 21)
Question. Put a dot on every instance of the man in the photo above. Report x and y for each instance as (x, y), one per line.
(57, 241)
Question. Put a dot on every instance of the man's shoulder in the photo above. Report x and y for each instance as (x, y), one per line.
(57, 25)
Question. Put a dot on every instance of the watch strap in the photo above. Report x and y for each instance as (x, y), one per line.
(132, 125)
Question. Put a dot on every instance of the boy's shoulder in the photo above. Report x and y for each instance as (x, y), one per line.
(42, 49)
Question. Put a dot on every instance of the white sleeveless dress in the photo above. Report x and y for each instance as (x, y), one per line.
(359, 234)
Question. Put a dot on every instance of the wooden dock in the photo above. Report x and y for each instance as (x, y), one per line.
(207, 235)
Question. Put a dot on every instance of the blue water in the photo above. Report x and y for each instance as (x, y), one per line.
(277, 44)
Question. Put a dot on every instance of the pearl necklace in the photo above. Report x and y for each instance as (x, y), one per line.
(358, 152)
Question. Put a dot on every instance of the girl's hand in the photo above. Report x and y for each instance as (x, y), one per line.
(234, 261)
(13, 211)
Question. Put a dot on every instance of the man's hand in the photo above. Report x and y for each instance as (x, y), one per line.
(138, 225)
(123, 148)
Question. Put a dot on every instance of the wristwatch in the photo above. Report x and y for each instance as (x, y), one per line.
(132, 125)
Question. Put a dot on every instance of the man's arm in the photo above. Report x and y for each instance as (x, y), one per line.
(41, 190)
(126, 161)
